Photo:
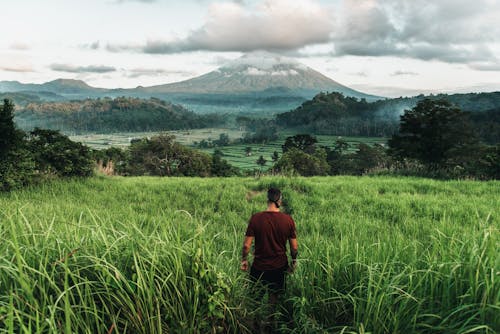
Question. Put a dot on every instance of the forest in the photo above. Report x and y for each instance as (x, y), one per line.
(111, 115)
(334, 113)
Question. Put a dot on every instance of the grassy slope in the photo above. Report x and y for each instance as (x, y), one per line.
(380, 254)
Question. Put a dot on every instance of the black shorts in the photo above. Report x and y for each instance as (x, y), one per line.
(271, 279)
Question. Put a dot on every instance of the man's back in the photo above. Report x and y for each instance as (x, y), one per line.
(271, 231)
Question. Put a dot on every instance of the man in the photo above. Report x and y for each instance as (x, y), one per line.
(271, 230)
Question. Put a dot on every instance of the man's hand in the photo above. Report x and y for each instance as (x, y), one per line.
(244, 265)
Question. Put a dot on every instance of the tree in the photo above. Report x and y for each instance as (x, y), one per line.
(10, 137)
(275, 156)
(55, 153)
(303, 142)
(261, 161)
(298, 161)
(223, 140)
(162, 156)
(221, 167)
(430, 132)
(16, 165)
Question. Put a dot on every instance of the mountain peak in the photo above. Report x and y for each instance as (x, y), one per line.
(263, 62)
(68, 83)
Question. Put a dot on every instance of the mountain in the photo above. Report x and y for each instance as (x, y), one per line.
(258, 72)
(70, 87)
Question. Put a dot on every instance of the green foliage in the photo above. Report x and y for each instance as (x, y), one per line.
(112, 115)
(295, 161)
(430, 132)
(221, 167)
(161, 255)
(303, 142)
(16, 164)
(162, 156)
(222, 141)
(10, 137)
(261, 161)
(337, 114)
(54, 153)
(264, 131)
(366, 159)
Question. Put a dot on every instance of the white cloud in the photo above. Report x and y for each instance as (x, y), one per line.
(82, 69)
(453, 31)
(270, 25)
(19, 69)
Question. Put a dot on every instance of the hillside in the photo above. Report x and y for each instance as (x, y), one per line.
(111, 115)
(258, 72)
(337, 114)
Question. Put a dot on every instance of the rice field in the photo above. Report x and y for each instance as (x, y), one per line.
(235, 153)
(161, 255)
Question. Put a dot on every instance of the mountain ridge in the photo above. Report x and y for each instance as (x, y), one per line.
(251, 73)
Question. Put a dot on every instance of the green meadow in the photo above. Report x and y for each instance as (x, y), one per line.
(161, 255)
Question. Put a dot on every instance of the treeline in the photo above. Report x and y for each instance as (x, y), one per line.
(336, 114)
(162, 156)
(27, 157)
(122, 114)
(30, 157)
(434, 139)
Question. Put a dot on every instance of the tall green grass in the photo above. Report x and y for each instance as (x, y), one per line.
(152, 255)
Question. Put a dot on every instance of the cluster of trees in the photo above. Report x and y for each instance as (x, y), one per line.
(336, 114)
(112, 115)
(434, 139)
(258, 130)
(163, 156)
(28, 157)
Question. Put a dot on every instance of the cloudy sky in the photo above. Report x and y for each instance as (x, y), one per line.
(383, 47)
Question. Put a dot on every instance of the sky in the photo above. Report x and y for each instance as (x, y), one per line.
(382, 47)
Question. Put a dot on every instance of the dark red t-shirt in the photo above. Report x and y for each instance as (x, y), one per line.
(271, 231)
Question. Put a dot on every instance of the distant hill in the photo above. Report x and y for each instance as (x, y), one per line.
(111, 115)
(337, 114)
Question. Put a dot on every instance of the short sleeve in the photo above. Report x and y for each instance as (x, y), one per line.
(293, 231)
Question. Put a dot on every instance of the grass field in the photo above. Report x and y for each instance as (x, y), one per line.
(151, 255)
(235, 154)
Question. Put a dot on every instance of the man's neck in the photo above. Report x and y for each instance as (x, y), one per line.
(272, 207)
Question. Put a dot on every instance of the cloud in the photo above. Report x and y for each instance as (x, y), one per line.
(230, 26)
(82, 69)
(20, 46)
(143, 1)
(453, 31)
(486, 66)
(403, 73)
(19, 69)
(139, 72)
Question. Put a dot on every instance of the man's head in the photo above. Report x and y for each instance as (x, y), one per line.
(274, 196)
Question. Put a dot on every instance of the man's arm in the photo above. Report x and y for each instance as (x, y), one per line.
(247, 243)
(294, 251)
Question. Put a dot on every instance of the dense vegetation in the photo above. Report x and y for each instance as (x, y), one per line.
(151, 255)
(434, 139)
(112, 115)
(336, 114)
(29, 157)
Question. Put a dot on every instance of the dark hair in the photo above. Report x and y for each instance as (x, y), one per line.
(274, 195)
